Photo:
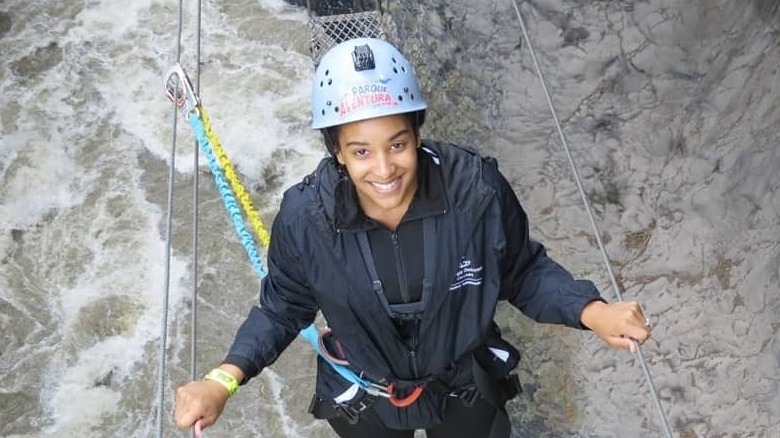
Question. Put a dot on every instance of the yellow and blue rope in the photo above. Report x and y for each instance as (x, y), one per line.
(235, 183)
(203, 135)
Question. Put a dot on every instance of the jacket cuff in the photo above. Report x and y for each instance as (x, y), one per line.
(245, 365)
(577, 295)
(582, 326)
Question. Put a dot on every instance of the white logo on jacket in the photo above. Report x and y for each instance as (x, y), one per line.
(468, 275)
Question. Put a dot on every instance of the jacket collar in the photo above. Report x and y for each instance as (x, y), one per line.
(430, 198)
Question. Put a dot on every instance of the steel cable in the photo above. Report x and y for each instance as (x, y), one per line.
(195, 221)
(168, 244)
(589, 211)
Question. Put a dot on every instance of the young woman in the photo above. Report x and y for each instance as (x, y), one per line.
(406, 246)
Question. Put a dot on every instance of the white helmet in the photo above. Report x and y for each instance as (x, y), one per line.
(361, 79)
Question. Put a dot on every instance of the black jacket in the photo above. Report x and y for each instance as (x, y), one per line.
(479, 241)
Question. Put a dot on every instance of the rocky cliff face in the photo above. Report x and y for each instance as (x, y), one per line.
(670, 109)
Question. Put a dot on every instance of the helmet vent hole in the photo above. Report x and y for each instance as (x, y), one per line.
(321, 84)
(395, 70)
(403, 69)
(327, 72)
(329, 103)
(335, 109)
(323, 112)
(412, 96)
(400, 98)
(330, 81)
(393, 58)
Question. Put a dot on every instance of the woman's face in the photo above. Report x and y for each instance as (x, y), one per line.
(380, 156)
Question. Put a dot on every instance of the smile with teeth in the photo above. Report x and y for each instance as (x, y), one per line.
(386, 187)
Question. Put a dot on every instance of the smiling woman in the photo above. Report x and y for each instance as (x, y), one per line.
(406, 247)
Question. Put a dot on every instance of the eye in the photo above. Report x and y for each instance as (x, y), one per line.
(398, 145)
(361, 153)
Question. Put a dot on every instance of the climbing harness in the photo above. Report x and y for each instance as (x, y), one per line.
(315, 338)
(589, 211)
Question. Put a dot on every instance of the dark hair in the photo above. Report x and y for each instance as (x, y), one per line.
(331, 133)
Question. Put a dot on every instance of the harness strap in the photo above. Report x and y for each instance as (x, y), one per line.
(403, 310)
(497, 391)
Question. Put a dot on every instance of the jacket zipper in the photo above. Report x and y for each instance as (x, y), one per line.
(413, 351)
(402, 285)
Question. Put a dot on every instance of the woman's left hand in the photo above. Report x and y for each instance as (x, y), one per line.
(617, 324)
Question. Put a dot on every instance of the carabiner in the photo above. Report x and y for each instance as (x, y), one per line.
(377, 390)
(179, 89)
(406, 401)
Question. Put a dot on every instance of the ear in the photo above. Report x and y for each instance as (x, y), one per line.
(340, 157)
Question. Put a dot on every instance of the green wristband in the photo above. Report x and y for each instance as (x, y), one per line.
(223, 378)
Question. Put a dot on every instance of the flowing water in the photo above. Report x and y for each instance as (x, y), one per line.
(670, 107)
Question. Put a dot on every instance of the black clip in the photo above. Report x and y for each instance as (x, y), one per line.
(363, 58)
(348, 413)
(468, 395)
(512, 386)
(351, 412)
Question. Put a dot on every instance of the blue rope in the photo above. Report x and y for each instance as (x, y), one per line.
(310, 333)
(227, 196)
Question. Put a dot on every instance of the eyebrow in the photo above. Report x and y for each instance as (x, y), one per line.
(393, 137)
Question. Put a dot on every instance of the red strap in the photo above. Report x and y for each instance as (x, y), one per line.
(406, 401)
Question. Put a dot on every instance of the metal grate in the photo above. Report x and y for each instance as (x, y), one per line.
(329, 30)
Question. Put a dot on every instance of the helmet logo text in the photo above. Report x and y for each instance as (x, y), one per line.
(362, 96)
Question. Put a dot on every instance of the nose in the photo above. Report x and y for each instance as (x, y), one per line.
(384, 165)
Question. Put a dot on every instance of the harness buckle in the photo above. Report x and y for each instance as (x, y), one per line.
(351, 412)
(467, 395)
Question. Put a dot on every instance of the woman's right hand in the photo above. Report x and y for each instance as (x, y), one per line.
(199, 401)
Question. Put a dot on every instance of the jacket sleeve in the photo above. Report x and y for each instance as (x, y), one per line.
(286, 307)
(534, 283)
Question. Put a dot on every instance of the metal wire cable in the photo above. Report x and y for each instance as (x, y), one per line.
(588, 209)
(168, 244)
(195, 221)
